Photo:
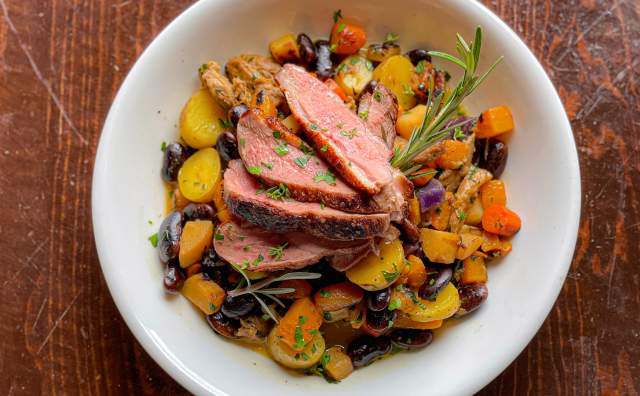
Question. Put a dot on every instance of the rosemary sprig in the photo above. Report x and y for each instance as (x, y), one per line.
(440, 110)
(260, 289)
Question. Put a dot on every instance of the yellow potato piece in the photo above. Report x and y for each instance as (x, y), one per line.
(469, 243)
(446, 304)
(196, 237)
(287, 357)
(353, 74)
(395, 73)
(439, 246)
(202, 120)
(375, 272)
(199, 174)
(203, 293)
(338, 364)
(409, 120)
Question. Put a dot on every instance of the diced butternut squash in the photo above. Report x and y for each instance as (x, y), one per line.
(199, 174)
(439, 246)
(179, 200)
(469, 229)
(454, 155)
(403, 321)
(499, 220)
(291, 123)
(440, 215)
(417, 274)
(490, 242)
(377, 271)
(414, 211)
(337, 364)
(301, 286)
(410, 120)
(495, 121)
(474, 270)
(285, 49)
(492, 192)
(263, 102)
(474, 213)
(193, 269)
(469, 243)
(299, 324)
(196, 237)
(203, 293)
(422, 176)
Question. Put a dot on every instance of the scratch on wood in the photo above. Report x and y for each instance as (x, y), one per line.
(27, 261)
(35, 322)
(57, 322)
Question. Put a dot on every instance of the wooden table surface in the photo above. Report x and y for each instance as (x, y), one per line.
(61, 62)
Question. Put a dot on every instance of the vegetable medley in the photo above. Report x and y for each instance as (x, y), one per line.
(320, 304)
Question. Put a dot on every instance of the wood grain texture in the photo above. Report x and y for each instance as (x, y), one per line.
(61, 62)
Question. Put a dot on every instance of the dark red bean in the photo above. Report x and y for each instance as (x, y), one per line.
(227, 147)
(491, 154)
(174, 156)
(410, 248)
(307, 49)
(237, 307)
(169, 236)
(236, 112)
(378, 323)
(173, 278)
(223, 325)
(378, 300)
(418, 55)
(471, 297)
(435, 283)
(411, 338)
(323, 64)
(198, 211)
(365, 349)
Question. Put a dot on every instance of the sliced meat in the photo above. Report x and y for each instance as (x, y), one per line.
(218, 84)
(247, 199)
(255, 249)
(394, 196)
(379, 110)
(344, 262)
(252, 73)
(276, 156)
(338, 134)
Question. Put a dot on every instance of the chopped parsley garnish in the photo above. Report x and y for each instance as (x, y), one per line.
(458, 134)
(322, 205)
(246, 248)
(301, 161)
(203, 68)
(394, 304)
(390, 276)
(341, 27)
(255, 170)
(268, 165)
(377, 96)
(224, 123)
(276, 134)
(350, 133)
(153, 238)
(341, 68)
(354, 61)
(281, 149)
(406, 89)
(306, 149)
(327, 176)
(461, 215)
(325, 293)
(340, 124)
(163, 146)
(420, 67)
(333, 47)
(390, 38)
(279, 192)
(258, 260)
(314, 127)
(242, 142)
(277, 251)
(363, 114)
(368, 65)
(212, 306)
(324, 148)
(218, 237)
(337, 15)
(298, 336)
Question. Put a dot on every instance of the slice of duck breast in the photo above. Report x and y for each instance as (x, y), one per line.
(337, 133)
(255, 249)
(275, 156)
(379, 110)
(272, 210)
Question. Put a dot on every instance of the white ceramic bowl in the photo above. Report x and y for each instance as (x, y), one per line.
(542, 179)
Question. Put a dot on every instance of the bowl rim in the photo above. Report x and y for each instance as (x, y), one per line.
(196, 385)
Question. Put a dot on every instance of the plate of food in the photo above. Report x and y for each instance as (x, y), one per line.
(344, 197)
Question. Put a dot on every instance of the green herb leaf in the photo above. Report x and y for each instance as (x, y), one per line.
(350, 133)
(363, 115)
(280, 192)
(325, 293)
(337, 15)
(277, 251)
(390, 276)
(377, 96)
(394, 304)
(324, 148)
(203, 68)
(276, 135)
(218, 237)
(153, 238)
(420, 67)
(163, 146)
(224, 124)
(281, 149)
(242, 142)
(301, 161)
(268, 165)
(255, 170)
(391, 38)
(341, 27)
(333, 47)
(258, 260)
(327, 176)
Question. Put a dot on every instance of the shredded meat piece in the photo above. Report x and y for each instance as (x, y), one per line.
(468, 189)
(252, 73)
(253, 329)
(218, 84)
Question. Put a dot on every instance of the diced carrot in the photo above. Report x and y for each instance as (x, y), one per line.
(417, 274)
(299, 324)
(285, 49)
(494, 121)
(337, 296)
(454, 156)
(330, 82)
(263, 102)
(414, 211)
(492, 192)
(303, 288)
(499, 220)
(424, 174)
(347, 37)
(474, 270)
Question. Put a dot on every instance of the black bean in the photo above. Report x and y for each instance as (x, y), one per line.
(471, 297)
(491, 154)
(378, 300)
(223, 325)
(236, 112)
(378, 323)
(198, 211)
(174, 156)
(328, 275)
(169, 236)
(237, 307)
(227, 147)
(173, 278)
(435, 283)
(364, 349)
(418, 55)
(307, 49)
(411, 338)
(324, 64)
